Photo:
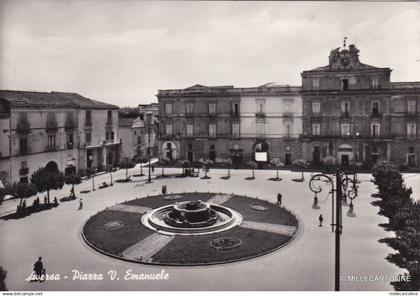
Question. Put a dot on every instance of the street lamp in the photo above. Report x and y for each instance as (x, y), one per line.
(344, 188)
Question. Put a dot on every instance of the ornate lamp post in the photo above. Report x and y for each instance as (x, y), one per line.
(344, 188)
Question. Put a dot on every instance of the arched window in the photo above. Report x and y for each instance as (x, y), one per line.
(345, 84)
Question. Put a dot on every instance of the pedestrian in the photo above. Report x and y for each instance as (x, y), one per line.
(321, 219)
(80, 204)
(279, 197)
(45, 199)
(55, 201)
(39, 268)
(164, 189)
(153, 168)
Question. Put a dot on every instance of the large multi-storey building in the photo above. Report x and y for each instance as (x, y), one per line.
(354, 113)
(135, 127)
(222, 122)
(347, 110)
(63, 131)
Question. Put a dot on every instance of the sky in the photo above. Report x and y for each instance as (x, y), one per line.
(123, 52)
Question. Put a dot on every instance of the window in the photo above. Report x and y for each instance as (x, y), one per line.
(375, 108)
(189, 108)
(345, 109)
(168, 108)
(23, 146)
(375, 154)
(345, 84)
(109, 136)
(375, 83)
(315, 84)
(235, 109)
(411, 157)
(316, 108)
(109, 116)
(190, 130)
(375, 130)
(345, 129)
(260, 129)
(212, 108)
(51, 142)
(88, 137)
(70, 138)
(235, 130)
(260, 106)
(212, 130)
(288, 129)
(316, 129)
(411, 107)
(287, 105)
(168, 130)
(88, 117)
(411, 130)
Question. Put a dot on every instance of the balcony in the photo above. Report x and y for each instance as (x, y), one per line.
(234, 114)
(23, 126)
(51, 126)
(70, 145)
(109, 122)
(376, 114)
(260, 115)
(88, 122)
(345, 114)
(50, 148)
(23, 171)
(24, 151)
(288, 114)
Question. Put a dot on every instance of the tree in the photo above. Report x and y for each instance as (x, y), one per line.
(184, 163)
(227, 163)
(253, 165)
(22, 191)
(330, 163)
(206, 166)
(163, 161)
(300, 163)
(276, 163)
(140, 160)
(90, 172)
(126, 164)
(3, 274)
(46, 180)
(109, 169)
(72, 179)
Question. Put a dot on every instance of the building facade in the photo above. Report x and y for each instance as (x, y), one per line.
(347, 110)
(353, 112)
(136, 126)
(223, 122)
(57, 130)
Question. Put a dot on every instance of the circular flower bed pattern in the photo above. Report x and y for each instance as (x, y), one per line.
(261, 227)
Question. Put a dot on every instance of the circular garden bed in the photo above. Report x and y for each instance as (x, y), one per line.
(118, 231)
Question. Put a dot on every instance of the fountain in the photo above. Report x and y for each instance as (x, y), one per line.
(191, 214)
(191, 218)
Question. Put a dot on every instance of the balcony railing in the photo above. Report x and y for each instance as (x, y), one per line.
(376, 114)
(52, 148)
(345, 114)
(88, 122)
(24, 150)
(288, 114)
(108, 121)
(51, 125)
(260, 114)
(70, 145)
(23, 126)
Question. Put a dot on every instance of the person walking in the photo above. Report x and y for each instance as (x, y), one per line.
(39, 268)
(80, 204)
(279, 197)
(321, 219)
(153, 168)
